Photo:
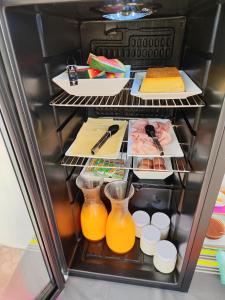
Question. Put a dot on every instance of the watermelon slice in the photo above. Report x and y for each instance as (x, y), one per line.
(90, 73)
(104, 64)
(115, 75)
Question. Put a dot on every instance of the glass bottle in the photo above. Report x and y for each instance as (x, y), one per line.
(120, 227)
(93, 213)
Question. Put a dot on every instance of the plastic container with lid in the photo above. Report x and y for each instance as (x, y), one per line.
(165, 257)
(162, 222)
(150, 236)
(180, 255)
(141, 219)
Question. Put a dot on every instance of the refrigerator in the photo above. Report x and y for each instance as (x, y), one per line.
(36, 39)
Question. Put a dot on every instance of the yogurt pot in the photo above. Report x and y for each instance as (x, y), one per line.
(150, 236)
(180, 257)
(162, 222)
(165, 257)
(141, 219)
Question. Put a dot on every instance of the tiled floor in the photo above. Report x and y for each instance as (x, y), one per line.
(9, 259)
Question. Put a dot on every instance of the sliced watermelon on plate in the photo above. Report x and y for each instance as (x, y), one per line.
(104, 64)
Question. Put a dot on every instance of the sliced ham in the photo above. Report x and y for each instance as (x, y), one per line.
(142, 144)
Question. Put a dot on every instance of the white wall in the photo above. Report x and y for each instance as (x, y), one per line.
(15, 227)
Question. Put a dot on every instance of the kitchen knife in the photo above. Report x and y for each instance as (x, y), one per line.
(111, 131)
(150, 130)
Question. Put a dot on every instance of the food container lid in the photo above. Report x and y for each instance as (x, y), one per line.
(166, 251)
(160, 220)
(150, 234)
(141, 218)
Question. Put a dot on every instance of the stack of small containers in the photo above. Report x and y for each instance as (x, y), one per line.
(153, 235)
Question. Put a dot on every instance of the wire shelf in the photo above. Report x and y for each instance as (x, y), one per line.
(179, 164)
(124, 99)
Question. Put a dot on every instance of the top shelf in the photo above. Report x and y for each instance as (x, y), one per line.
(124, 99)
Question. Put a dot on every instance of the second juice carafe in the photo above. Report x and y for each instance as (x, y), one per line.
(120, 227)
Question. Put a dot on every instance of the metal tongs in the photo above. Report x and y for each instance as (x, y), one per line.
(71, 67)
(111, 131)
(150, 130)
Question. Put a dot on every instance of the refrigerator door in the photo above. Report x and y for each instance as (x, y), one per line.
(41, 272)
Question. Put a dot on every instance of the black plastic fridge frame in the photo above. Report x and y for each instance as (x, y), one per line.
(211, 184)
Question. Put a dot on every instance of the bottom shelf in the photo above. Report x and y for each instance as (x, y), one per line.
(96, 260)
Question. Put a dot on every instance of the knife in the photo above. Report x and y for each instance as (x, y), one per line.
(150, 130)
(111, 131)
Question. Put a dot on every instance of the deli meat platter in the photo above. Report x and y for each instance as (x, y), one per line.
(142, 145)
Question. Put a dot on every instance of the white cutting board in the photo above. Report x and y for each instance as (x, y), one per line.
(191, 88)
(173, 149)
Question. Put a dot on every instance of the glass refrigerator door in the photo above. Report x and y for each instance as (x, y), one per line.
(25, 270)
(212, 256)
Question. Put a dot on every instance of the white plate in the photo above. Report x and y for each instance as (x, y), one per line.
(191, 88)
(92, 87)
(108, 179)
(173, 149)
(153, 174)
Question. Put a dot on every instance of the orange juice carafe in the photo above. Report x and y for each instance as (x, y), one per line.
(93, 213)
(120, 227)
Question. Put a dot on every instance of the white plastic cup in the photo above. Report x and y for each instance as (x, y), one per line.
(141, 219)
(162, 222)
(165, 257)
(180, 256)
(150, 236)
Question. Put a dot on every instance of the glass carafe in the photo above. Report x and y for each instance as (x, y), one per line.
(120, 227)
(93, 213)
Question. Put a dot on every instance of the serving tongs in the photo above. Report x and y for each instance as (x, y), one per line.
(111, 131)
(150, 131)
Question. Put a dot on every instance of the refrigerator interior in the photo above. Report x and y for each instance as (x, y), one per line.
(179, 33)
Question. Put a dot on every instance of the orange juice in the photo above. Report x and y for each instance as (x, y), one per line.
(93, 221)
(120, 231)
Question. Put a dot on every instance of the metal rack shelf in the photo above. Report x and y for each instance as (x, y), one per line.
(124, 99)
(179, 164)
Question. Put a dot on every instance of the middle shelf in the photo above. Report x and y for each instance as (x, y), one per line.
(124, 99)
(179, 164)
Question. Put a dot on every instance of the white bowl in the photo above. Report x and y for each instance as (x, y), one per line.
(93, 87)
